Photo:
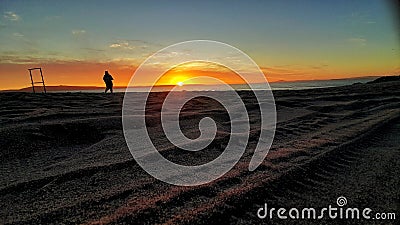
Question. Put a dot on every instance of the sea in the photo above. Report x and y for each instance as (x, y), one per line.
(295, 85)
(284, 85)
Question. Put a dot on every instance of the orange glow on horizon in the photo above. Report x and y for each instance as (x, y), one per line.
(197, 73)
(16, 76)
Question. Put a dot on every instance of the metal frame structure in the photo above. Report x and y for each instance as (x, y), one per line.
(39, 82)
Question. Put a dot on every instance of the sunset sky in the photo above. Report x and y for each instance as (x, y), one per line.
(75, 41)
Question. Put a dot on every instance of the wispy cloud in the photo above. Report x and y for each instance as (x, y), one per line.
(357, 41)
(18, 35)
(361, 18)
(11, 16)
(123, 45)
(115, 45)
(13, 58)
(127, 44)
(78, 32)
(277, 73)
(95, 50)
(297, 72)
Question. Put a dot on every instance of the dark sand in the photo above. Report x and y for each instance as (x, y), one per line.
(64, 159)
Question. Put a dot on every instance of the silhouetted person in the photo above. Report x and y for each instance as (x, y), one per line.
(108, 80)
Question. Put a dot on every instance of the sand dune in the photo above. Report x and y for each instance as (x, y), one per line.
(64, 158)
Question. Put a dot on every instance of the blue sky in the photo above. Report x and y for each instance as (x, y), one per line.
(341, 38)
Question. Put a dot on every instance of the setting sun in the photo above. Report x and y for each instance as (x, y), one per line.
(197, 73)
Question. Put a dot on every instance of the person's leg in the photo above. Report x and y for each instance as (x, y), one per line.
(106, 89)
(111, 89)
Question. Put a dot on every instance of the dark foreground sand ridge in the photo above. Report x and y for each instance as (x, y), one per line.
(64, 159)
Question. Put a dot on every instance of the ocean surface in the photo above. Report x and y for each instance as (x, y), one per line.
(296, 85)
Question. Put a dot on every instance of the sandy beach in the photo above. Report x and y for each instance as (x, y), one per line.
(65, 160)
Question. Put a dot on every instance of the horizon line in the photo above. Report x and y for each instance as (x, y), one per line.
(169, 85)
